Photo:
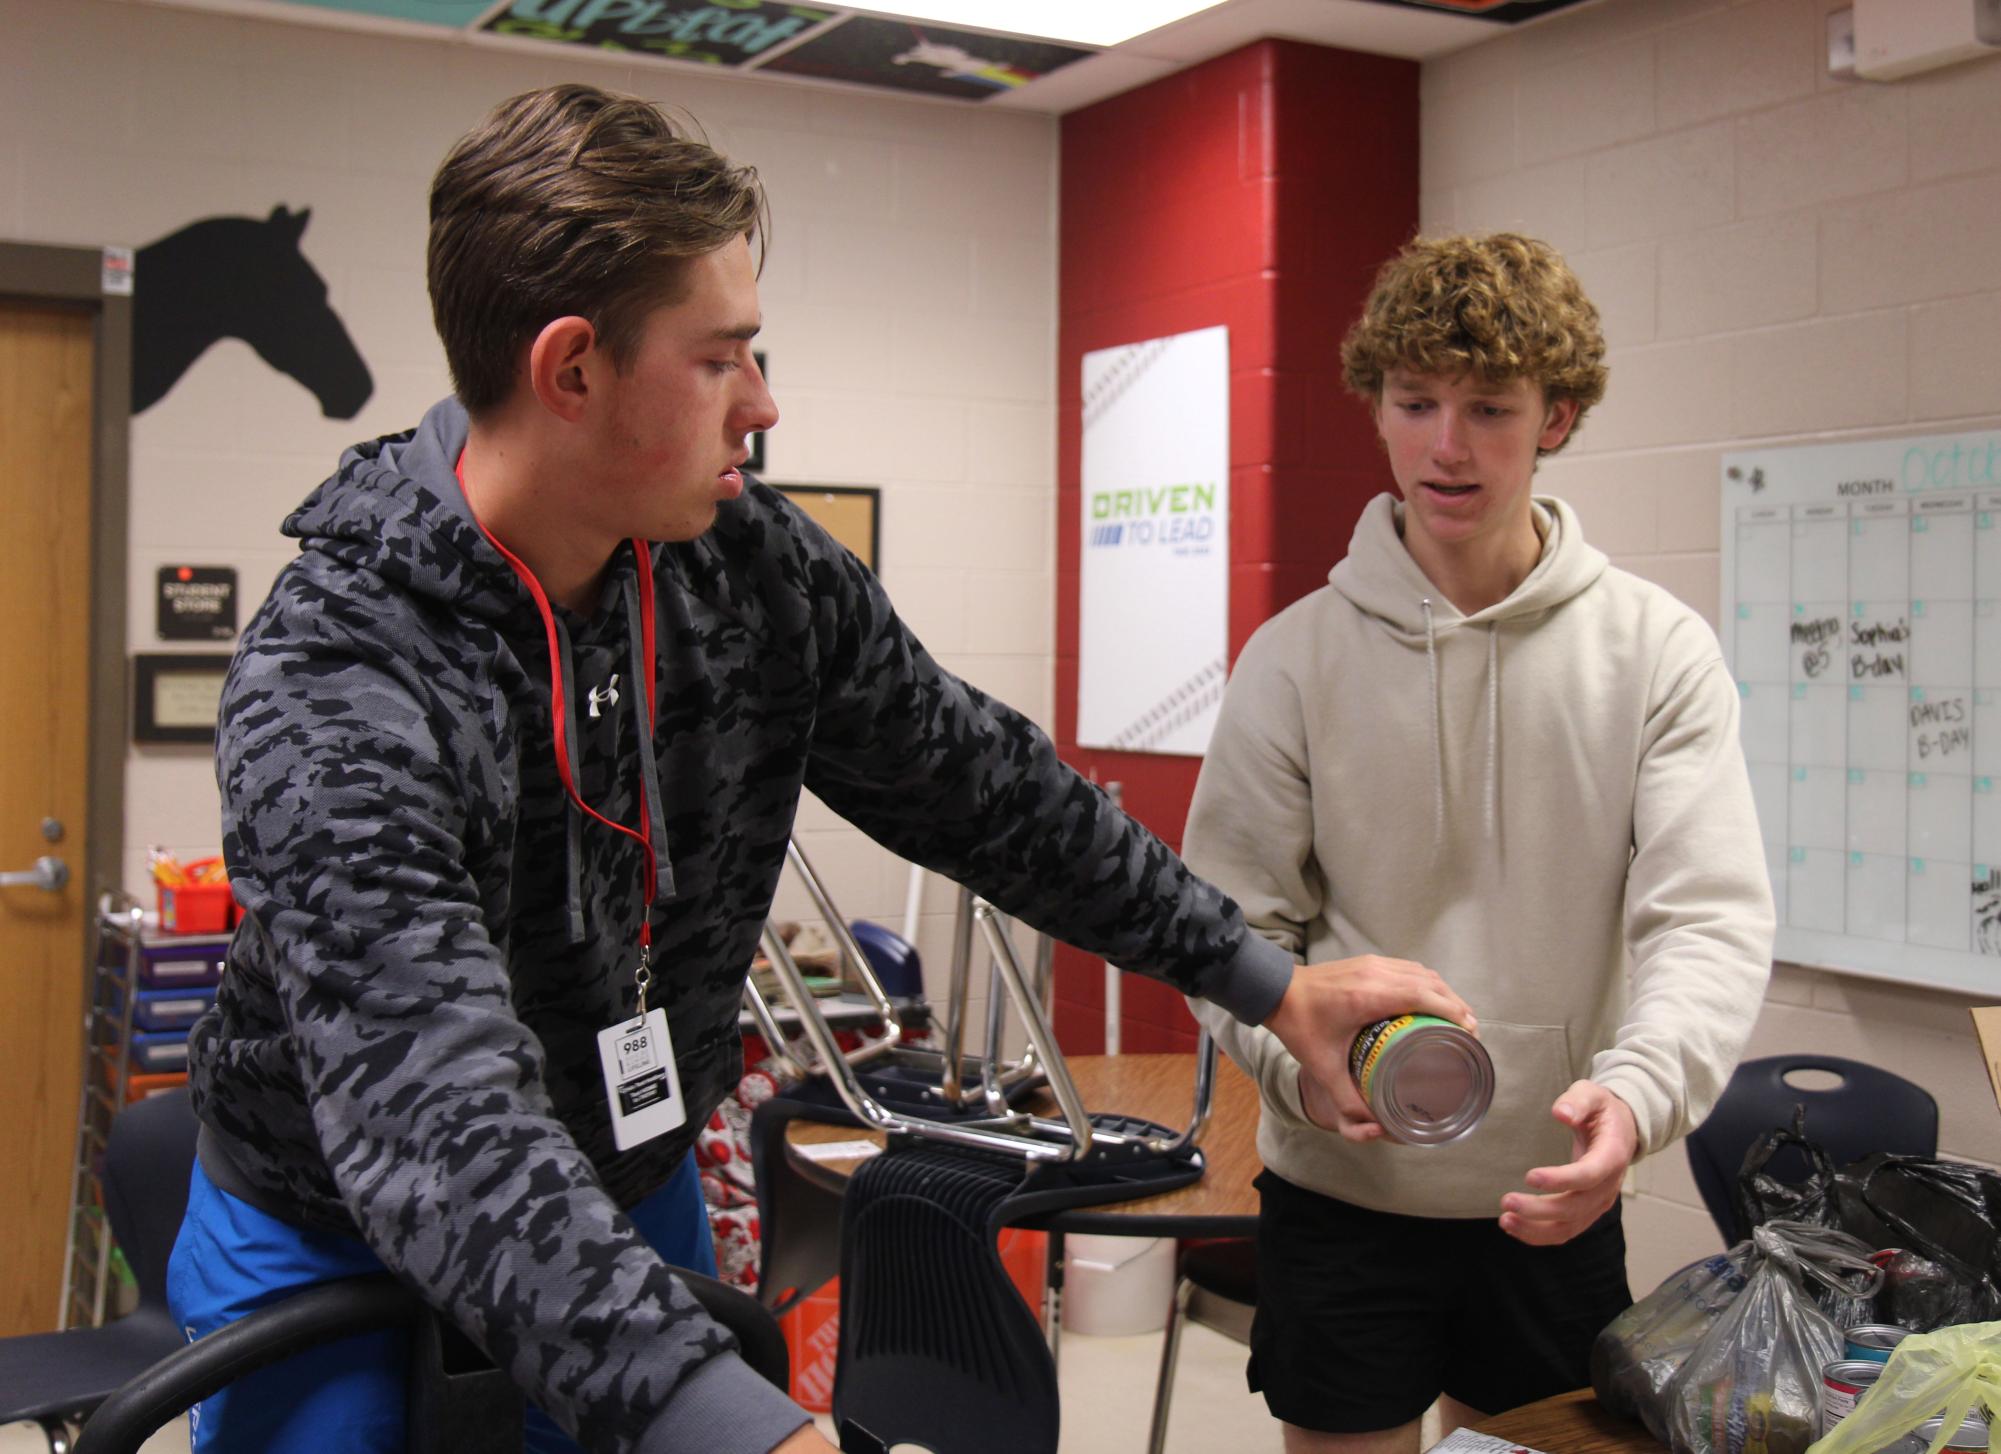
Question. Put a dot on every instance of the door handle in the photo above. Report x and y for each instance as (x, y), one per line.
(49, 875)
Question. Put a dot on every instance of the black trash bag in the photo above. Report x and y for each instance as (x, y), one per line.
(1947, 1212)
(1638, 1352)
(1763, 1197)
(1921, 1295)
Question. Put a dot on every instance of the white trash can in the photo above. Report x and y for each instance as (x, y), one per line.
(1117, 1286)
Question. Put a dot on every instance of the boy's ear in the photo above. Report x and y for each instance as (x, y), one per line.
(558, 366)
(1556, 424)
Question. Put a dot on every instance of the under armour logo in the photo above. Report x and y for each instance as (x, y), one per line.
(604, 696)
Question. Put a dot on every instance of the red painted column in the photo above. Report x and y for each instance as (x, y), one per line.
(1259, 190)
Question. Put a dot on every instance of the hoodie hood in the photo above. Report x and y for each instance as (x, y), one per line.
(394, 507)
(1379, 576)
(1381, 579)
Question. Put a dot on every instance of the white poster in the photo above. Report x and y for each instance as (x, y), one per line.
(1154, 600)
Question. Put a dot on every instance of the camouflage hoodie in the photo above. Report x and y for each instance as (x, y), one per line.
(404, 1045)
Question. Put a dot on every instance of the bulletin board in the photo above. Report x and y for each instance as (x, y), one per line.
(1861, 617)
(849, 513)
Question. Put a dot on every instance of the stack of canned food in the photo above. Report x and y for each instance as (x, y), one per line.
(1844, 1382)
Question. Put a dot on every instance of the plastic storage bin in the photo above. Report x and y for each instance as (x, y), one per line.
(171, 1009)
(154, 1051)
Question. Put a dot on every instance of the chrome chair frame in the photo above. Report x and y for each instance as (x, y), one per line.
(1073, 1138)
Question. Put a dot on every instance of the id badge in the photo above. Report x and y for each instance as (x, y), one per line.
(641, 1084)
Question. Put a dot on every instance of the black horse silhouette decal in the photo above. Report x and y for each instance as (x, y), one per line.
(239, 277)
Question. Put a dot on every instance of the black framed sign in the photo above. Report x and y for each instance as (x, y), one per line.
(852, 514)
(175, 695)
(196, 603)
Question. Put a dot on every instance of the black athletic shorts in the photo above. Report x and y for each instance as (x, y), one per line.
(1366, 1317)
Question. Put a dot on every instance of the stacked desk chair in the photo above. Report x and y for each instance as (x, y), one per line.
(936, 1346)
(798, 1213)
(55, 1379)
(1868, 1110)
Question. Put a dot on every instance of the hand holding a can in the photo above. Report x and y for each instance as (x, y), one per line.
(1604, 1139)
(1324, 1008)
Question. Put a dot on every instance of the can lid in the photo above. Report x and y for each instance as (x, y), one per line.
(1972, 1433)
(1433, 1084)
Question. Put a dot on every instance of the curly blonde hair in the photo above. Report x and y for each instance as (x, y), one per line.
(1497, 307)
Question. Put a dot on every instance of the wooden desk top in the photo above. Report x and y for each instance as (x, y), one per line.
(1159, 1088)
(1570, 1423)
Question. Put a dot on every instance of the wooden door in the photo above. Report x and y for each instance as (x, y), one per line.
(46, 360)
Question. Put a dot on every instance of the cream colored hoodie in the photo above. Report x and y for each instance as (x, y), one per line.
(1516, 799)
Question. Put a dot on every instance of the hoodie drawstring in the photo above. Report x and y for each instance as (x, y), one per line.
(1438, 731)
(573, 894)
(1493, 718)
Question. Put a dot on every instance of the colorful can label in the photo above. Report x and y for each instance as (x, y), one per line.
(1874, 1341)
(1842, 1385)
(1374, 1042)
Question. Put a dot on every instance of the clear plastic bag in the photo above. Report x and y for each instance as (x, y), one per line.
(1751, 1385)
(1949, 1371)
(1639, 1351)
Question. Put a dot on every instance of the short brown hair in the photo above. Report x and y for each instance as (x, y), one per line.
(1497, 307)
(570, 200)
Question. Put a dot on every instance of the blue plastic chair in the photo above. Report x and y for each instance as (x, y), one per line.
(1870, 1110)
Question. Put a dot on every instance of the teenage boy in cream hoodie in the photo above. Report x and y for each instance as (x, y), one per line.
(1483, 749)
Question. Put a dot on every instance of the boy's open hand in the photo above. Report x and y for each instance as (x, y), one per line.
(1604, 1138)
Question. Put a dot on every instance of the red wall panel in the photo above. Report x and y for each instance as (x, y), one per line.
(1259, 190)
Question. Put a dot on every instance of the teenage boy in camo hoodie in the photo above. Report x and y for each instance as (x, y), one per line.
(1481, 747)
(526, 724)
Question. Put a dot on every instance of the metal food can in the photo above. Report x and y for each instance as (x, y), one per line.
(1426, 1080)
(1874, 1341)
(1842, 1385)
(1971, 1439)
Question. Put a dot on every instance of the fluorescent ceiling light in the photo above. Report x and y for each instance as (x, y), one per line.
(1100, 22)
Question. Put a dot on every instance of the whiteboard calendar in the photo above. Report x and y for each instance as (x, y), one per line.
(1861, 617)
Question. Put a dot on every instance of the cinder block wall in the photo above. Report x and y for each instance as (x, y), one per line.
(1780, 257)
(909, 298)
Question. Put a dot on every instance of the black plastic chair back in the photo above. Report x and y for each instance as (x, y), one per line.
(936, 1346)
(1870, 1110)
(148, 1159)
(798, 1221)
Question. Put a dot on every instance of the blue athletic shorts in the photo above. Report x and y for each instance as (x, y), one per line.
(231, 1258)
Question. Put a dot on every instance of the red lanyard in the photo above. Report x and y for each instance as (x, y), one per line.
(644, 561)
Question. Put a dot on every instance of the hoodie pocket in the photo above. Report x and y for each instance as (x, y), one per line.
(1532, 1067)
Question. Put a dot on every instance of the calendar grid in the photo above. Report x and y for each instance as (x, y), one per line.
(1862, 616)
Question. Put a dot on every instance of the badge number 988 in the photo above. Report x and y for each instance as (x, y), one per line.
(642, 1086)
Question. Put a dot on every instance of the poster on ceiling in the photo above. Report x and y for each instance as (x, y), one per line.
(911, 55)
(1154, 598)
(733, 34)
(1508, 12)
